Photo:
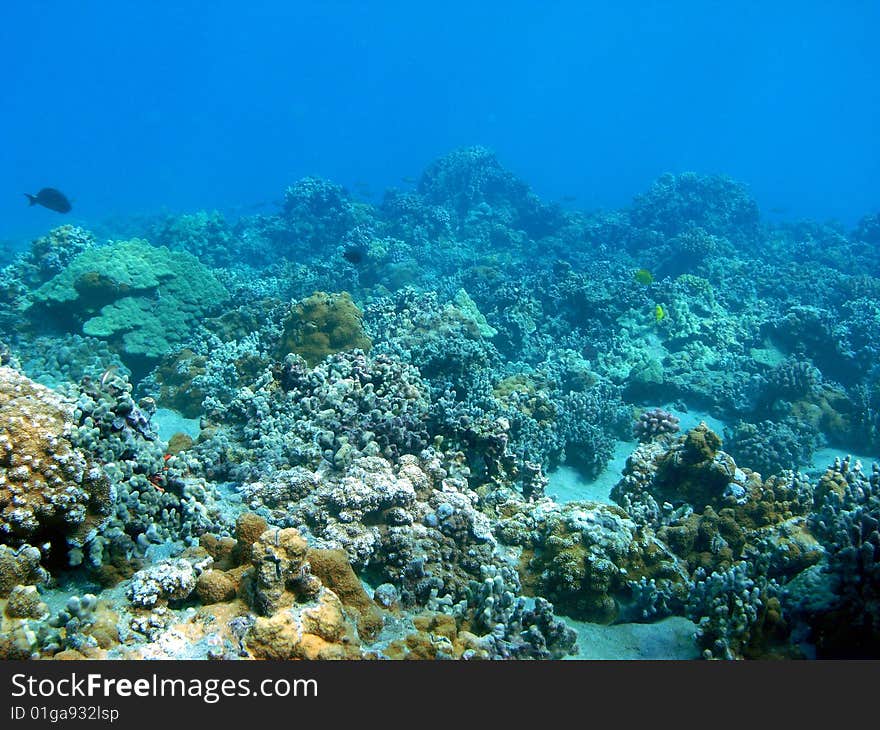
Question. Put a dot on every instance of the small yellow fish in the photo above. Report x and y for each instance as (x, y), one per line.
(659, 313)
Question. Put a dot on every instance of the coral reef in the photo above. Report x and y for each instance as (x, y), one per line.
(771, 447)
(736, 612)
(317, 212)
(339, 440)
(206, 235)
(717, 204)
(20, 566)
(583, 555)
(845, 522)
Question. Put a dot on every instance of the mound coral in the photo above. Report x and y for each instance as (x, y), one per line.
(472, 184)
(50, 254)
(20, 566)
(583, 555)
(317, 212)
(770, 447)
(174, 376)
(323, 324)
(675, 203)
(205, 235)
(695, 470)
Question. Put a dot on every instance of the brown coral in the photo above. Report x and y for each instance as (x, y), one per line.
(48, 488)
(278, 558)
(582, 556)
(19, 567)
(321, 325)
(437, 636)
(317, 631)
(248, 529)
(175, 375)
(695, 470)
(334, 570)
(214, 586)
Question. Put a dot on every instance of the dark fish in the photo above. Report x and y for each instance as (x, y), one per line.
(353, 255)
(409, 180)
(568, 198)
(50, 198)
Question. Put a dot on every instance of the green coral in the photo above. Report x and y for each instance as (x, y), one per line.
(469, 310)
(323, 324)
(143, 299)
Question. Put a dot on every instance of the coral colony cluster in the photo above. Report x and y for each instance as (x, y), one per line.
(333, 432)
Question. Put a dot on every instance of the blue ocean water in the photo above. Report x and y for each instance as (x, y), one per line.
(490, 330)
(177, 106)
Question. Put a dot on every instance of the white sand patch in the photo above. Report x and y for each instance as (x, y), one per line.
(168, 423)
(671, 638)
(567, 484)
(823, 458)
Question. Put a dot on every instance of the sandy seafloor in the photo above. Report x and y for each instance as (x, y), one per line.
(669, 638)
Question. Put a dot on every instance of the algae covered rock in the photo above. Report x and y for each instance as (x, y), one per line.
(20, 566)
(323, 324)
(584, 555)
(143, 299)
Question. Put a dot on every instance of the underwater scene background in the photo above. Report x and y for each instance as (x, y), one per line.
(600, 380)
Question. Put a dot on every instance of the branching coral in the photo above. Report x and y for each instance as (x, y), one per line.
(655, 422)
